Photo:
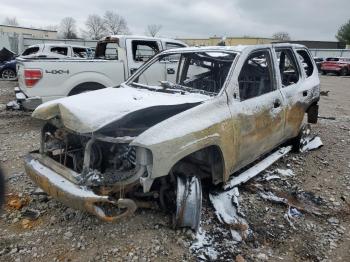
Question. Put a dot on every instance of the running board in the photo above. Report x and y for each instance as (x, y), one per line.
(258, 168)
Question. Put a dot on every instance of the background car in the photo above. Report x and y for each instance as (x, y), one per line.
(336, 65)
(8, 70)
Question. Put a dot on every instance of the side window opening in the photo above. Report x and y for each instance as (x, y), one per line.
(288, 67)
(59, 50)
(256, 76)
(144, 50)
(31, 51)
(80, 52)
(306, 62)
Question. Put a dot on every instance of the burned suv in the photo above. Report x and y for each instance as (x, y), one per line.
(186, 115)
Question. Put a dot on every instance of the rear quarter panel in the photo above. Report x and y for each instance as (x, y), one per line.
(61, 76)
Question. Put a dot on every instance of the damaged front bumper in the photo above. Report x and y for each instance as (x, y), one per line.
(23, 101)
(61, 183)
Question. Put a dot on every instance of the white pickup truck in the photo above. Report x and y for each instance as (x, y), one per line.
(116, 58)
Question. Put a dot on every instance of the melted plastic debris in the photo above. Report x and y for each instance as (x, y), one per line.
(312, 143)
(227, 210)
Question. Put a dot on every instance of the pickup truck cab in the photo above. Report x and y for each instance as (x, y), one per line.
(116, 58)
(221, 109)
(337, 65)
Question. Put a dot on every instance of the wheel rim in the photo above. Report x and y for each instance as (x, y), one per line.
(8, 74)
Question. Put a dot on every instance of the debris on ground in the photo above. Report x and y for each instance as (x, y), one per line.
(312, 143)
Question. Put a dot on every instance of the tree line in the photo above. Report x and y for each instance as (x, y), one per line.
(96, 26)
(111, 23)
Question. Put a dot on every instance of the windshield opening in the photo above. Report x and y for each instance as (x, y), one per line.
(195, 72)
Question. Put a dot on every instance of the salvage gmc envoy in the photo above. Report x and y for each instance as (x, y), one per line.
(152, 140)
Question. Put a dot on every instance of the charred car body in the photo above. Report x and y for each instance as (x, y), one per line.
(153, 141)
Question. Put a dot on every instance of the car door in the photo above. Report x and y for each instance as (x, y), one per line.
(257, 109)
(139, 52)
(290, 80)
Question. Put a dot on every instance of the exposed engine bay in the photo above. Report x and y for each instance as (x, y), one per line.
(99, 160)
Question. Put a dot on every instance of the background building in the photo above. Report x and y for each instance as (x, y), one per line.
(28, 32)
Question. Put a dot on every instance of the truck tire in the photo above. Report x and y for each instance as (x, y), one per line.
(85, 87)
(323, 72)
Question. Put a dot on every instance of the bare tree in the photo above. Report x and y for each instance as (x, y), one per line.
(115, 24)
(11, 21)
(281, 36)
(153, 29)
(68, 28)
(95, 25)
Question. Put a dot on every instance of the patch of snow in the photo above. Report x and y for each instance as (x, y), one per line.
(204, 246)
(90, 111)
(284, 172)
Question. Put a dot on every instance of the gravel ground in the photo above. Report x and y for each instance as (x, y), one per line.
(34, 227)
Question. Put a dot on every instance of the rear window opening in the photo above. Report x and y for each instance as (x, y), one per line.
(31, 51)
(59, 50)
(107, 50)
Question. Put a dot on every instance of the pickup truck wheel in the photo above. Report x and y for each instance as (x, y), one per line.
(323, 72)
(300, 141)
(8, 74)
(188, 202)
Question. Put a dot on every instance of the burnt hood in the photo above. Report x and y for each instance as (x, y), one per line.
(89, 112)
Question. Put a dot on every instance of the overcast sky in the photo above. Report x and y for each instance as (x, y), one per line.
(303, 19)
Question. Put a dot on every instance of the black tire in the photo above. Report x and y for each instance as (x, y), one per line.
(344, 71)
(323, 72)
(85, 87)
(8, 74)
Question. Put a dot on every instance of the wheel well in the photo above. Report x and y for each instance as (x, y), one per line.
(88, 86)
(205, 163)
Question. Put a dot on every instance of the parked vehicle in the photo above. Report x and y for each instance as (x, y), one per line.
(336, 65)
(318, 61)
(116, 58)
(8, 70)
(155, 138)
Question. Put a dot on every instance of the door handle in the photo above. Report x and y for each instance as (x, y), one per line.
(304, 93)
(277, 103)
(170, 71)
